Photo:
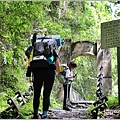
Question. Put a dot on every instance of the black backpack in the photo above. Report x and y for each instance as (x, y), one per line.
(42, 49)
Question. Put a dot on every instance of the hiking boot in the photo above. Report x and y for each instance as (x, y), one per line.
(36, 117)
(66, 108)
(44, 116)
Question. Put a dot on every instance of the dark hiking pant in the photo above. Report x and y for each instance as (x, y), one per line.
(42, 77)
(66, 93)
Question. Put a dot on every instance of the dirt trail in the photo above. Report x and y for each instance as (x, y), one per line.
(79, 111)
(61, 114)
(82, 113)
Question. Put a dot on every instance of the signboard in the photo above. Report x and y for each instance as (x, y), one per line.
(110, 34)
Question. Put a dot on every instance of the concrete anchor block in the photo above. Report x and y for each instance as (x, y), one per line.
(101, 100)
(13, 104)
(20, 98)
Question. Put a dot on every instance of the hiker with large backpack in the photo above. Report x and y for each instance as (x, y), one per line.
(43, 64)
(67, 85)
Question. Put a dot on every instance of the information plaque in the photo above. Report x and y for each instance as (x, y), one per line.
(110, 34)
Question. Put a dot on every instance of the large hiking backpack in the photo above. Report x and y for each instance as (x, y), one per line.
(43, 47)
(61, 76)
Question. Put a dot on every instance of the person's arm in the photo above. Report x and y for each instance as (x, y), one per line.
(57, 63)
(71, 76)
(28, 72)
(68, 74)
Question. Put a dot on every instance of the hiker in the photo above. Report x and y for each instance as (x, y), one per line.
(69, 76)
(43, 76)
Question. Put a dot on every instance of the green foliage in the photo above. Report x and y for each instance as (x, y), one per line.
(78, 20)
(114, 8)
(112, 100)
(7, 81)
(85, 84)
(26, 111)
(54, 102)
(90, 108)
(3, 103)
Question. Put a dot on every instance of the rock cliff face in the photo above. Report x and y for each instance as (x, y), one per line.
(83, 48)
(71, 50)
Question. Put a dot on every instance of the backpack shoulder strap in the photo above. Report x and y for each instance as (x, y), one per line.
(65, 66)
(28, 51)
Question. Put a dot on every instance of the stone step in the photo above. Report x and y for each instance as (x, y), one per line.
(82, 102)
(62, 114)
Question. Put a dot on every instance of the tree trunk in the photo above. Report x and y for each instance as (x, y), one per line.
(104, 56)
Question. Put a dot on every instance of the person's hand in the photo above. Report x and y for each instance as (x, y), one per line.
(74, 75)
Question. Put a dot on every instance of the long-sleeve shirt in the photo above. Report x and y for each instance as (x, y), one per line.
(69, 74)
